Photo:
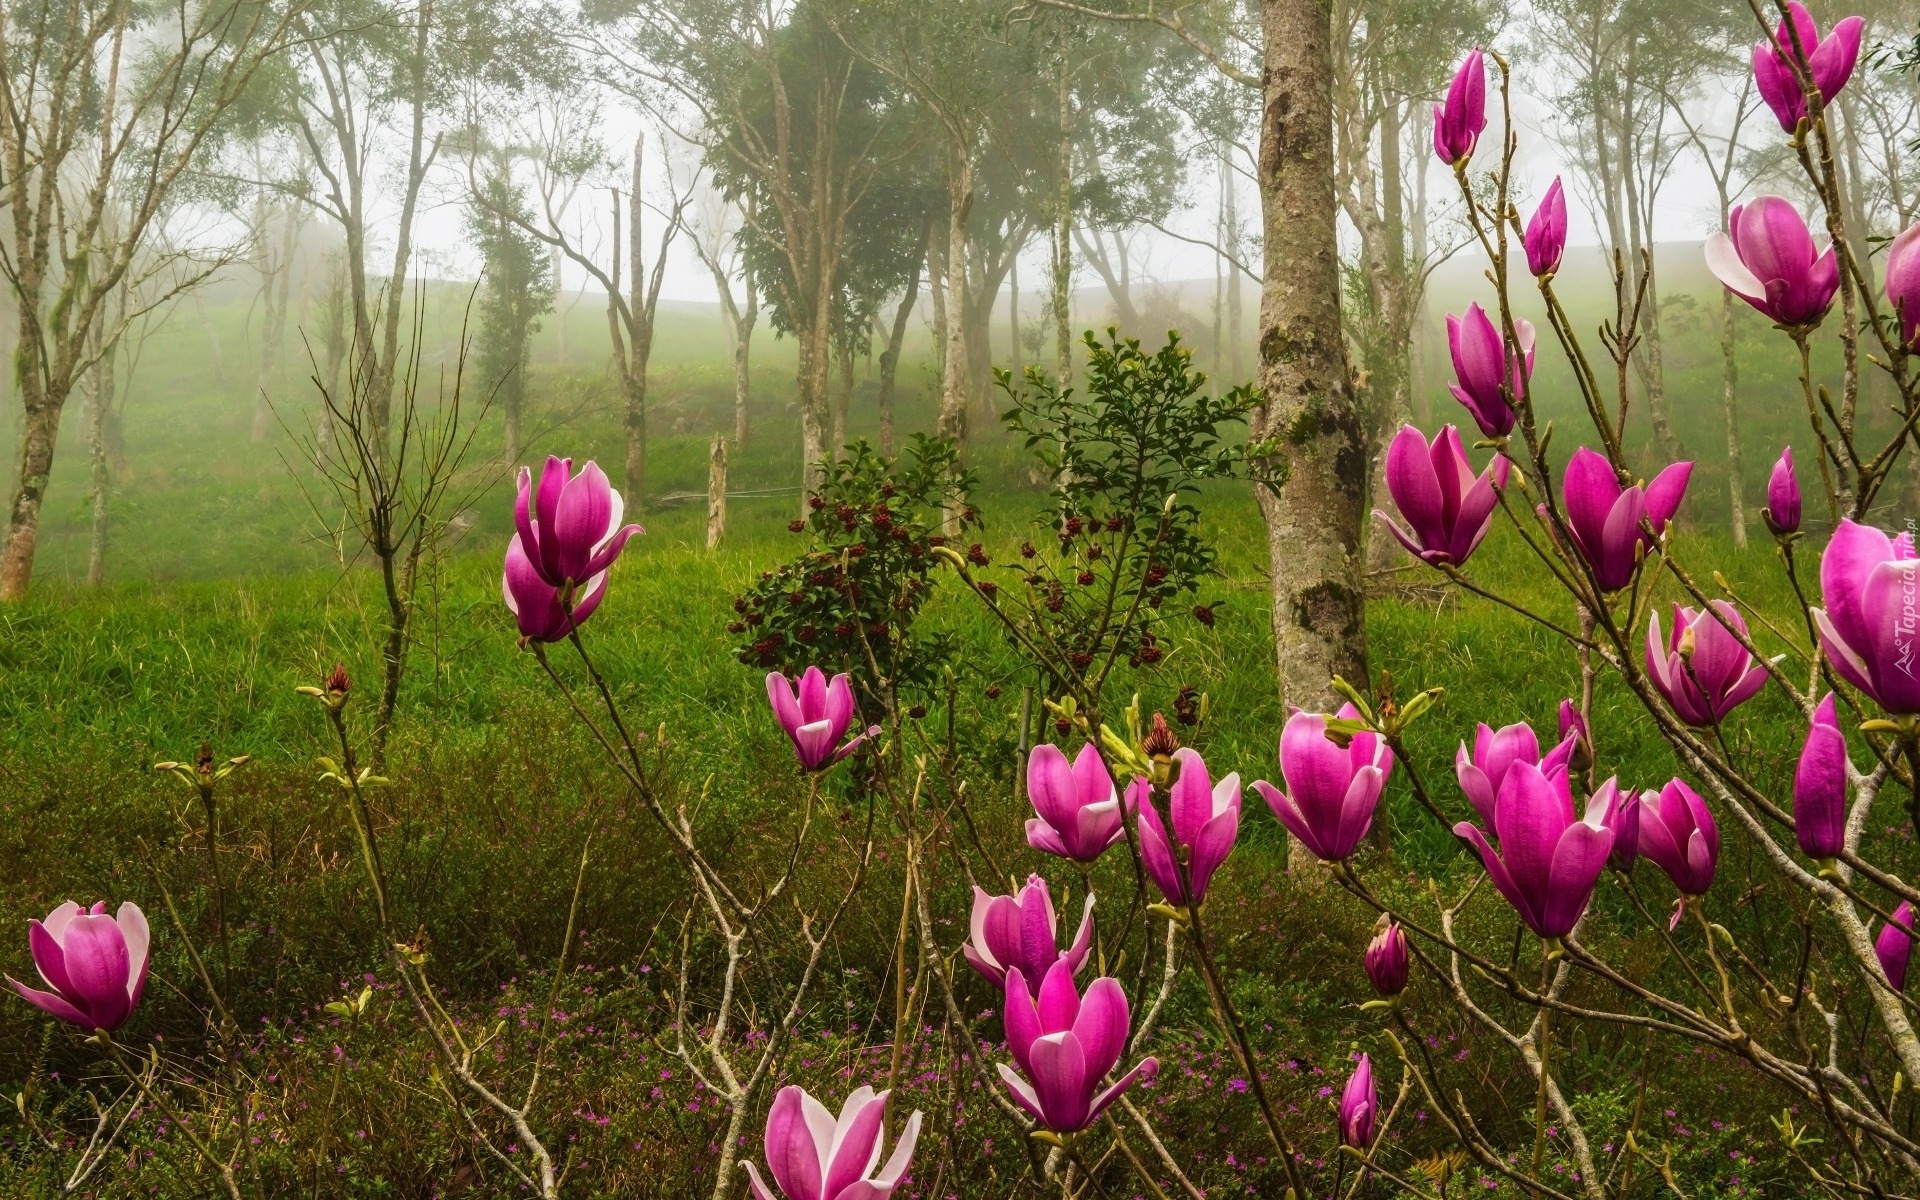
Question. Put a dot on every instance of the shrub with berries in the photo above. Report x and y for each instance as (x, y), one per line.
(1127, 457)
(849, 600)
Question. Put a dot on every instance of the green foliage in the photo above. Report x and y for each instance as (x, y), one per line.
(518, 277)
(850, 600)
(1125, 459)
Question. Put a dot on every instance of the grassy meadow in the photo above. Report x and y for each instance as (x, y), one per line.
(224, 595)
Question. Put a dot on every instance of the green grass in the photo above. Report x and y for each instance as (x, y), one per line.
(222, 602)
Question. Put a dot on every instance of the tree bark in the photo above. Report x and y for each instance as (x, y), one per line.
(1316, 451)
(637, 348)
(100, 393)
(1729, 375)
(954, 389)
(890, 358)
(743, 324)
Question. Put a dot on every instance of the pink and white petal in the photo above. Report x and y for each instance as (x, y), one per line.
(1148, 1067)
(52, 1005)
(754, 1184)
(1845, 661)
(1023, 1093)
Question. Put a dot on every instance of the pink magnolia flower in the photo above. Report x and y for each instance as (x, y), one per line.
(1387, 960)
(1020, 931)
(1458, 123)
(1206, 820)
(1447, 509)
(1820, 786)
(570, 527)
(95, 964)
(1604, 517)
(1079, 810)
(816, 715)
(1782, 513)
(814, 1156)
(1767, 258)
(1065, 1046)
(1894, 947)
(1868, 629)
(1702, 669)
(1495, 751)
(1482, 364)
(569, 534)
(1621, 814)
(1546, 237)
(1359, 1102)
(1549, 859)
(1574, 724)
(1828, 60)
(1332, 790)
(1677, 834)
(1903, 283)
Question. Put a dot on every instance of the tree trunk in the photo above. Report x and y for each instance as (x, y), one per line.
(716, 491)
(101, 386)
(1013, 317)
(742, 374)
(1062, 235)
(812, 379)
(1729, 372)
(954, 387)
(42, 430)
(1313, 506)
(843, 356)
(890, 358)
(275, 289)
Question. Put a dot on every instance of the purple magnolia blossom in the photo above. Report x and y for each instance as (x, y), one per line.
(1206, 820)
(1546, 236)
(1332, 790)
(96, 964)
(1828, 60)
(1447, 509)
(536, 605)
(1620, 812)
(570, 527)
(1573, 724)
(568, 532)
(1078, 806)
(1457, 123)
(813, 1156)
(816, 715)
(1020, 931)
(1894, 945)
(1549, 859)
(1065, 1045)
(1767, 258)
(1820, 786)
(1903, 283)
(1677, 834)
(1782, 513)
(1495, 752)
(1702, 669)
(1387, 960)
(1868, 629)
(1604, 517)
(1359, 1102)
(1482, 364)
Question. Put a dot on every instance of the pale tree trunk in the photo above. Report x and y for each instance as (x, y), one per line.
(560, 308)
(813, 353)
(635, 372)
(954, 388)
(1729, 377)
(99, 396)
(890, 358)
(334, 360)
(1117, 275)
(1013, 317)
(1062, 235)
(843, 356)
(937, 292)
(276, 286)
(743, 325)
(1308, 408)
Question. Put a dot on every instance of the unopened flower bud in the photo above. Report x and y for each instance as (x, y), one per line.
(1160, 741)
